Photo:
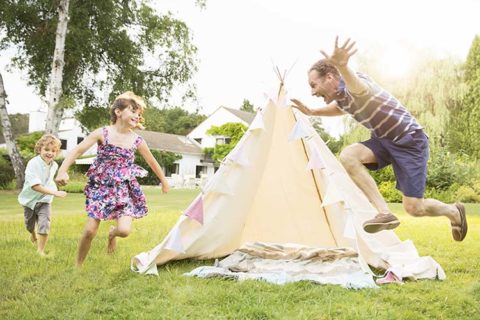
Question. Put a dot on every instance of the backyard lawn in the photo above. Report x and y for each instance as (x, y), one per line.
(33, 287)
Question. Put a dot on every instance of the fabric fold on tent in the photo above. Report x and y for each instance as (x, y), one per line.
(286, 263)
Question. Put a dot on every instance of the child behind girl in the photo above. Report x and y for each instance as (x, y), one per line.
(112, 191)
(39, 189)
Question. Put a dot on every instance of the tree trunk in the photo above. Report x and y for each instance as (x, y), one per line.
(55, 112)
(12, 149)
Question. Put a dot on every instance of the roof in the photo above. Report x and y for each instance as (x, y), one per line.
(170, 142)
(244, 115)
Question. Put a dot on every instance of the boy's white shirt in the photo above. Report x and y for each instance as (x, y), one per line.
(38, 172)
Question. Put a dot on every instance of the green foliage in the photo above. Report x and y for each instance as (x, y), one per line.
(172, 120)
(335, 145)
(389, 191)
(19, 123)
(231, 130)
(111, 46)
(115, 291)
(7, 174)
(164, 158)
(247, 106)
(26, 143)
(464, 122)
(93, 117)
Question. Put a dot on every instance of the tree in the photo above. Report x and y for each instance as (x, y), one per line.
(247, 106)
(167, 120)
(13, 152)
(55, 112)
(464, 122)
(111, 46)
(233, 131)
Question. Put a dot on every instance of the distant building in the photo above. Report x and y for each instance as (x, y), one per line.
(219, 117)
(191, 170)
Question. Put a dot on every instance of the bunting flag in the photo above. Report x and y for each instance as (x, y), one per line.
(143, 258)
(257, 122)
(239, 156)
(315, 161)
(300, 130)
(331, 196)
(175, 241)
(195, 210)
(217, 183)
(349, 230)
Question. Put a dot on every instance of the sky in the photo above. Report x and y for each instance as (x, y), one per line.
(240, 42)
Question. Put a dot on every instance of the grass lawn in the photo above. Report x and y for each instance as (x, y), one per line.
(32, 287)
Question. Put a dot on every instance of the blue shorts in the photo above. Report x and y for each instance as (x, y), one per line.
(408, 157)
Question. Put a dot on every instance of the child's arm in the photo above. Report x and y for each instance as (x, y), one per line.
(42, 189)
(81, 148)
(147, 155)
(330, 110)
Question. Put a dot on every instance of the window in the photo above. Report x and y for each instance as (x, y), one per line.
(64, 144)
(199, 140)
(80, 139)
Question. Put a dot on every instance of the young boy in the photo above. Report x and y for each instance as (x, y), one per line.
(39, 189)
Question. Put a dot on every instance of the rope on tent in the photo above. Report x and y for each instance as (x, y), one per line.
(316, 185)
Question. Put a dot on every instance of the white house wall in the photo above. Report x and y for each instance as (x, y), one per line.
(218, 118)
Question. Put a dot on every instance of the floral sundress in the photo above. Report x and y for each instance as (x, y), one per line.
(112, 190)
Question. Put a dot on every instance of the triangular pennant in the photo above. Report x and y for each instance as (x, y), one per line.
(175, 241)
(315, 161)
(239, 156)
(195, 210)
(331, 196)
(257, 122)
(218, 183)
(299, 131)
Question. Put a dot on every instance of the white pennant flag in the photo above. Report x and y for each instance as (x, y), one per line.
(218, 183)
(315, 161)
(332, 195)
(349, 230)
(257, 122)
(239, 156)
(300, 130)
(175, 241)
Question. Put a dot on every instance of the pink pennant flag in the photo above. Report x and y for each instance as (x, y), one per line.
(195, 210)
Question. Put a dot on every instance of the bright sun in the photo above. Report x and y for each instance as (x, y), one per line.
(395, 62)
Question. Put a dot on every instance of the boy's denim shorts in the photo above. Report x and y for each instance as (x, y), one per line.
(408, 157)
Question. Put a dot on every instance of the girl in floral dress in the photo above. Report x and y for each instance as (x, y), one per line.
(112, 191)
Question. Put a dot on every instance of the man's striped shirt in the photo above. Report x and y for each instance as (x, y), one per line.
(377, 110)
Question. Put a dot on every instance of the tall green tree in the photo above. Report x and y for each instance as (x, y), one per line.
(247, 106)
(111, 46)
(464, 124)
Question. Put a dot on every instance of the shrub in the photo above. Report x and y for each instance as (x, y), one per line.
(467, 194)
(389, 191)
(7, 174)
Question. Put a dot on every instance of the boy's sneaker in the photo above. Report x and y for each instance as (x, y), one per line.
(382, 221)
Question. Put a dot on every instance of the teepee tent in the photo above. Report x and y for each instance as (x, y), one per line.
(281, 184)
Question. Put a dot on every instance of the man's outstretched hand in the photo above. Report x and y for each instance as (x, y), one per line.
(341, 55)
(300, 106)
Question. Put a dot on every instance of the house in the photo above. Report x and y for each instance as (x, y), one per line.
(192, 169)
(70, 131)
(219, 117)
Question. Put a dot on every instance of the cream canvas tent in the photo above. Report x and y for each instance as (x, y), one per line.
(281, 184)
